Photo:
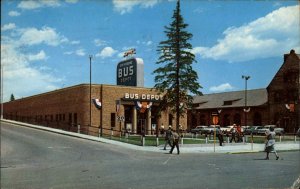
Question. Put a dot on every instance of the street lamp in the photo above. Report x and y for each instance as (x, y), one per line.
(2, 91)
(245, 110)
(90, 57)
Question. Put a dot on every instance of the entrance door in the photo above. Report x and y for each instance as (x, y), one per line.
(141, 126)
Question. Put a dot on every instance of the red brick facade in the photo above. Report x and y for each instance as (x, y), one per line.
(278, 104)
(69, 107)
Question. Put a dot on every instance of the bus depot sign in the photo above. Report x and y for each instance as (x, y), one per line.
(147, 97)
(131, 72)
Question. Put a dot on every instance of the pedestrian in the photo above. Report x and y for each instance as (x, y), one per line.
(233, 133)
(270, 143)
(176, 138)
(239, 133)
(168, 137)
(219, 134)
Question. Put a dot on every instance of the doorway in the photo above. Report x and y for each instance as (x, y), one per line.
(141, 126)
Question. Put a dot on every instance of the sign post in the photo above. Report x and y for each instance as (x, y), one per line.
(215, 120)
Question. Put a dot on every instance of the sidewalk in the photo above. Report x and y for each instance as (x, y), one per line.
(186, 148)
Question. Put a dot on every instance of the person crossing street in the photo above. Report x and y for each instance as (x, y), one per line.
(176, 138)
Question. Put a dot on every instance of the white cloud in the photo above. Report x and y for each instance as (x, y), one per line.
(75, 42)
(9, 26)
(18, 74)
(126, 6)
(149, 43)
(39, 56)
(35, 4)
(106, 52)
(47, 35)
(80, 52)
(269, 36)
(68, 52)
(99, 42)
(221, 88)
(14, 13)
(71, 1)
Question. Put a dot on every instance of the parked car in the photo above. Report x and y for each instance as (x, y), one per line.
(264, 129)
(227, 129)
(279, 131)
(208, 130)
(261, 130)
(298, 132)
(251, 129)
(198, 129)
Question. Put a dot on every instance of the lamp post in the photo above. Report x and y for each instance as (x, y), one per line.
(90, 57)
(2, 91)
(245, 110)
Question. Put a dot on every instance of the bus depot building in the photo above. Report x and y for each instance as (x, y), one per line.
(112, 107)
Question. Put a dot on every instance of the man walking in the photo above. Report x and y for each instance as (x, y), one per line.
(219, 135)
(233, 133)
(168, 136)
(176, 138)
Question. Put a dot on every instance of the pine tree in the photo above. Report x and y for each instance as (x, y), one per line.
(12, 97)
(176, 78)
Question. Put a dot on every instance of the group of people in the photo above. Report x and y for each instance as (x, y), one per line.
(236, 134)
(172, 138)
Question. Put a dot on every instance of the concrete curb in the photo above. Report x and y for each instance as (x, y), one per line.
(209, 148)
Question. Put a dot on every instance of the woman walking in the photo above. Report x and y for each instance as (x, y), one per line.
(270, 144)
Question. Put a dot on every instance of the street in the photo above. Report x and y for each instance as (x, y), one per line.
(37, 159)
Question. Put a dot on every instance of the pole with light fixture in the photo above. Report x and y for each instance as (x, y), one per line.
(245, 106)
(90, 57)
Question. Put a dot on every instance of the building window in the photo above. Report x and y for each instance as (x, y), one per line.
(277, 97)
(291, 77)
(70, 118)
(257, 119)
(75, 118)
(170, 119)
(196, 105)
(227, 103)
(226, 120)
(237, 119)
(202, 119)
(112, 119)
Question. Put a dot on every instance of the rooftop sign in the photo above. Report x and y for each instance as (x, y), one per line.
(131, 72)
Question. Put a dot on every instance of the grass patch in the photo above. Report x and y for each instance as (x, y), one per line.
(200, 139)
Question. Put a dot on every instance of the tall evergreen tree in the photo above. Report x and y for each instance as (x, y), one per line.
(175, 77)
(12, 97)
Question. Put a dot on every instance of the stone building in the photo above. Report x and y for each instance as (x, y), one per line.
(284, 92)
(278, 104)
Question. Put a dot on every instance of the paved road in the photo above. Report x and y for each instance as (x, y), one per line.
(37, 159)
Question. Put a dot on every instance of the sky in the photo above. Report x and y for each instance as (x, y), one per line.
(45, 44)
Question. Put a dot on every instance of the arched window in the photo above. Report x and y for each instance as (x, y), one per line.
(257, 119)
(237, 119)
(202, 119)
(226, 120)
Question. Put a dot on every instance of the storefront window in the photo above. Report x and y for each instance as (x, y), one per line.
(112, 119)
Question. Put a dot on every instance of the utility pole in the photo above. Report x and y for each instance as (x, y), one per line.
(2, 91)
(90, 57)
(245, 106)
